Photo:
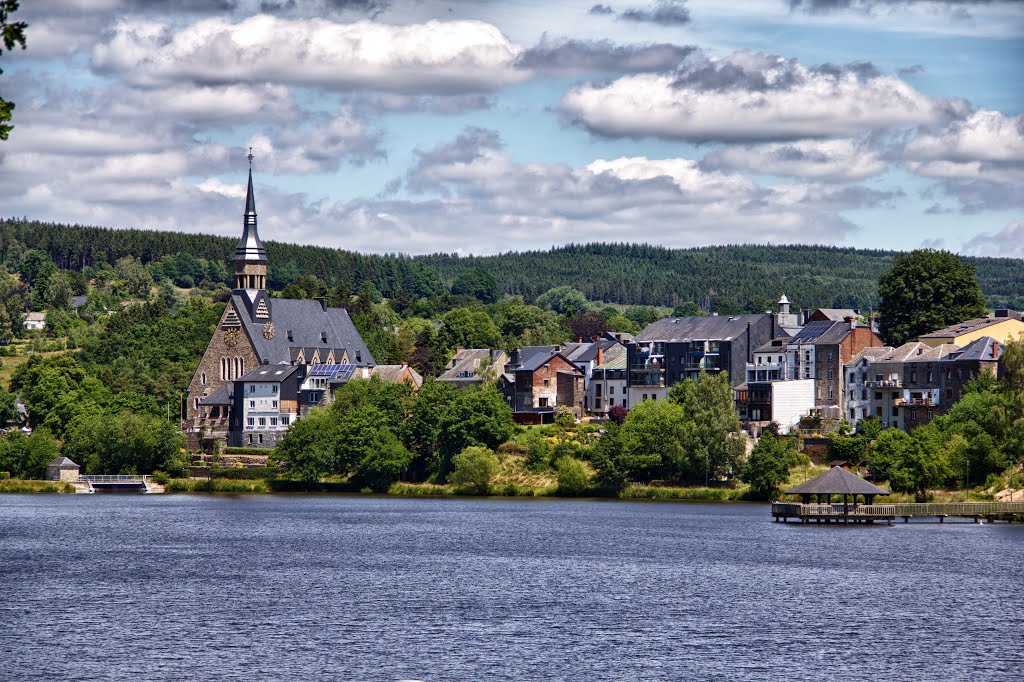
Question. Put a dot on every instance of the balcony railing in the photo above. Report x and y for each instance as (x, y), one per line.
(886, 383)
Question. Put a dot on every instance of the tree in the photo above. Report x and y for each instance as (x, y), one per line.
(8, 407)
(370, 449)
(135, 278)
(13, 34)
(617, 413)
(573, 479)
(710, 424)
(474, 469)
(925, 290)
(308, 447)
(564, 300)
(478, 416)
(462, 328)
(768, 467)
(651, 441)
(479, 284)
(586, 326)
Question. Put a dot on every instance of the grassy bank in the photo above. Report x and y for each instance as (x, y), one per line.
(17, 485)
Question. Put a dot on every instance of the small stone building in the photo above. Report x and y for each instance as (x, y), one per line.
(62, 469)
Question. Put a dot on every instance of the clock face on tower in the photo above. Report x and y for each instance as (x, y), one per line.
(268, 331)
(231, 337)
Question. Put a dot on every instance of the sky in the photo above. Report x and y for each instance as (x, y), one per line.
(477, 127)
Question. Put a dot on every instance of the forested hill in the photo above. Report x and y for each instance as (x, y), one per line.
(751, 276)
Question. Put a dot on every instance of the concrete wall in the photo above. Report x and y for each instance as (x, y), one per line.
(790, 401)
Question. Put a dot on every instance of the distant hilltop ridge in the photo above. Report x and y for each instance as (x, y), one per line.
(750, 277)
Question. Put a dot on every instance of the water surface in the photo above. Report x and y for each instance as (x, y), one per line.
(171, 587)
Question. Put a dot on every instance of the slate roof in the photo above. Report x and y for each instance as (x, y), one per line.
(871, 353)
(965, 327)
(589, 354)
(395, 374)
(470, 360)
(936, 353)
(837, 314)
(978, 350)
(270, 373)
(62, 462)
(222, 396)
(906, 351)
(822, 332)
(533, 357)
(836, 481)
(307, 321)
(711, 327)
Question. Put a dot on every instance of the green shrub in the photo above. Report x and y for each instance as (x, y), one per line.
(573, 479)
(565, 417)
(4, 475)
(475, 468)
(513, 448)
(538, 454)
(247, 473)
(160, 477)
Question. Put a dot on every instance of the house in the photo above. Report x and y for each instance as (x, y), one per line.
(607, 385)
(397, 374)
(469, 365)
(784, 402)
(257, 331)
(1003, 326)
(35, 322)
(540, 379)
(265, 403)
(903, 377)
(674, 349)
(62, 469)
(858, 371)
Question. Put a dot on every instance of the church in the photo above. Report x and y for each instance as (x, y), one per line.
(271, 359)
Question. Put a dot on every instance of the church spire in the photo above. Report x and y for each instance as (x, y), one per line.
(250, 256)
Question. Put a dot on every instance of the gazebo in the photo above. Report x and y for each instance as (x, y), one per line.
(837, 481)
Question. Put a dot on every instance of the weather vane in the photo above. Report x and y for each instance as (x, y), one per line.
(250, 158)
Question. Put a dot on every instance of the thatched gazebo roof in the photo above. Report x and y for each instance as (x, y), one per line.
(836, 481)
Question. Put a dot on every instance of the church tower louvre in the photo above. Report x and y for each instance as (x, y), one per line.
(250, 257)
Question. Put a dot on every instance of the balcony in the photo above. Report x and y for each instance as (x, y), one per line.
(886, 383)
(916, 402)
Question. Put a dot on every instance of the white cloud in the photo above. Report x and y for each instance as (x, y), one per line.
(843, 160)
(747, 97)
(984, 145)
(433, 57)
(1007, 243)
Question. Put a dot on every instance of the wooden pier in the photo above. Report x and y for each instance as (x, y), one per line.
(889, 513)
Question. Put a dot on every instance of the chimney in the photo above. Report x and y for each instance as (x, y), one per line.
(852, 321)
(322, 302)
(995, 350)
(600, 355)
(514, 360)
(579, 339)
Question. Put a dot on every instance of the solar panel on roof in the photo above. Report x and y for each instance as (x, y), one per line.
(330, 370)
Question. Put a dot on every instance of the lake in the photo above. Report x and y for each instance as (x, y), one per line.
(171, 587)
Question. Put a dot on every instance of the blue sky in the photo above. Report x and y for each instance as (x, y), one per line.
(481, 127)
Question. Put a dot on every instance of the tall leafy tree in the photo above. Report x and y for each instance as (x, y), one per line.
(479, 284)
(11, 33)
(711, 428)
(925, 290)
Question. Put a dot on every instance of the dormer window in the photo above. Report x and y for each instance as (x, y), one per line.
(290, 337)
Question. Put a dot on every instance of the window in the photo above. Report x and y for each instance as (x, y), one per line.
(202, 378)
(597, 403)
(263, 421)
(913, 377)
(273, 421)
(853, 378)
(611, 402)
(654, 396)
(597, 390)
(273, 389)
(196, 403)
(542, 402)
(878, 411)
(645, 397)
(250, 421)
(949, 394)
(878, 395)
(829, 372)
(831, 356)
(285, 420)
(547, 382)
(895, 411)
(274, 404)
(929, 376)
(830, 393)
(314, 397)
(252, 388)
(252, 404)
(853, 414)
(611, 390)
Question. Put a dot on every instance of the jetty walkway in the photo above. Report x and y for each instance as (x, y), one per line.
(888, 513)
(120, 482)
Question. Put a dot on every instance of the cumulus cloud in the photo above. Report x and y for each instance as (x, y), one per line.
(1007, 243)
(978, 159)
(582, 56)
(747, 97)
(662, 12)
(822, 6)
(323, 148)
(842, 160)
(430, 58)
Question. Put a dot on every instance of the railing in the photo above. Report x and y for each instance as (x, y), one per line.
(916, 402)
(120, 478)
(888, 383)
(968, 509)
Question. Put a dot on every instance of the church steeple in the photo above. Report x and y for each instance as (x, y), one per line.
(250, 256)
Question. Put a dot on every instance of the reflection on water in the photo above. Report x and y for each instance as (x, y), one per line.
(164, 587)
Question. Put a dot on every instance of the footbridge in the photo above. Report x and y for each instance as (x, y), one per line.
(119, 483)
